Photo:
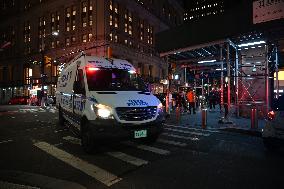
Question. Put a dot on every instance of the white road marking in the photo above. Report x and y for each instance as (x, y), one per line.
(98, 173)
(187, 132)
(5, 141)
(195, 129)
(149, 148)
(181, 137)
(72, 140)
(128, 158)
(8, 185)
(119, 155)
(172, 142)
(60, 130)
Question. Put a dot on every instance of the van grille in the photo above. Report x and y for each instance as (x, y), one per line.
(135, 113)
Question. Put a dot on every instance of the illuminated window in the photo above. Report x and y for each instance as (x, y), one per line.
(67, 42)
(90, 37)
(84, 7)
(73, 39)
(110, 20)
(84, 38)
(110, 36)
(114, 14)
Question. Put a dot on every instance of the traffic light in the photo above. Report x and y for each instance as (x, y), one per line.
(47, 61)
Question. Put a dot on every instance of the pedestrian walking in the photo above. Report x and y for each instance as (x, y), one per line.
(218, 98)
(179, 104)
(191, 99)
(212, 99)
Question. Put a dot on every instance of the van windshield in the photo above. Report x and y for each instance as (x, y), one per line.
(114, 80)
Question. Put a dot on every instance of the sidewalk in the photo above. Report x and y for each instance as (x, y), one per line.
(240, 125)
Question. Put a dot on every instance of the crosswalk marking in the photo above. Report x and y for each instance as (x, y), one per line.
(181, 137)
(188, 132)
(72, 140)
(35, 110)
(149, 148)
(119, 155)
(9, 185)
(195, 129)
(172, 142)
(5, 141)
(98, 173)
(128, 158)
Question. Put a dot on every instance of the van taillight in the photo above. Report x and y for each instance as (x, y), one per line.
(271, 115)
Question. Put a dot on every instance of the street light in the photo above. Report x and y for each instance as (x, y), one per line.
(54, 33)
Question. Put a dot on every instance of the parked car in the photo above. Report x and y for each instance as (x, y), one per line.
(19, 100)
(273, 132)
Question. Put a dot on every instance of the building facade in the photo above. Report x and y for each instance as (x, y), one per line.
(117, 28)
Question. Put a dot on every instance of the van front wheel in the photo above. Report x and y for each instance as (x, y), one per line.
(87, 139)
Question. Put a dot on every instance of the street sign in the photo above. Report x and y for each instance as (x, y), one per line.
(267, 10)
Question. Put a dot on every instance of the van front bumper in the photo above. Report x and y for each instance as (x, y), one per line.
(111, 129)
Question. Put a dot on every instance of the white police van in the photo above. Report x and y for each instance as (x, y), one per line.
(273, 132)
(105, 99)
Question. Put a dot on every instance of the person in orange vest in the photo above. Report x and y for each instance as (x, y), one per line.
(191, 99)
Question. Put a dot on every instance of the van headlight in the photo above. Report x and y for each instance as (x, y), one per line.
(160, 108)
(103, 111)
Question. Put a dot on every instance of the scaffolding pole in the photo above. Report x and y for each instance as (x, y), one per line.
(222, 75)
(237, 84)
(228, 76)
(277, 72)
(266, 79)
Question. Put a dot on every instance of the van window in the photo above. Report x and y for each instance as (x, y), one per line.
(114, 80)
(80, 78)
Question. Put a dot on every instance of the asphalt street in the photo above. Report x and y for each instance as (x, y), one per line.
(35, 152)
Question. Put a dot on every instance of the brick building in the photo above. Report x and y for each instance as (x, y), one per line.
(123, 28)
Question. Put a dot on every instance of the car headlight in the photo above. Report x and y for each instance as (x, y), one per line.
(103, 111)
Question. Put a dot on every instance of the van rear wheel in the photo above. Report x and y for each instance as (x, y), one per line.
(87, 139)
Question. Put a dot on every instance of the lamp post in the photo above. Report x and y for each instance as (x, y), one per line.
(55, 33)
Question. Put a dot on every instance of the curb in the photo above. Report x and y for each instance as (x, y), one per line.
(36, 180)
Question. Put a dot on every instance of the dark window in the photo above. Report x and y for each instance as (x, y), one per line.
(114, 80)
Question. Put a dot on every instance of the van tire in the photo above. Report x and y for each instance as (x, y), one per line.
(60, 117)
(87, 139)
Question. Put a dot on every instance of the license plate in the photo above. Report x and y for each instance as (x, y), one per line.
(140, 134)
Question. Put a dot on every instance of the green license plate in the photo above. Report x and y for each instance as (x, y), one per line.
(140, 134)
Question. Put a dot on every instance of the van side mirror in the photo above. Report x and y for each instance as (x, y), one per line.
(77, 87)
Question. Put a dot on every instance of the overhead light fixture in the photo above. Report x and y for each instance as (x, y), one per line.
(206, 61)
(251, 43)
(218, 69)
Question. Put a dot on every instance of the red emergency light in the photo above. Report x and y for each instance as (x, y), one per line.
(271, 115)
(92, 69)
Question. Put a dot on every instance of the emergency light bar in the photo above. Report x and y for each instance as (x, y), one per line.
(92, 69)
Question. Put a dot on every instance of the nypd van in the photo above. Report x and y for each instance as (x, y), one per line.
(104, 99)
